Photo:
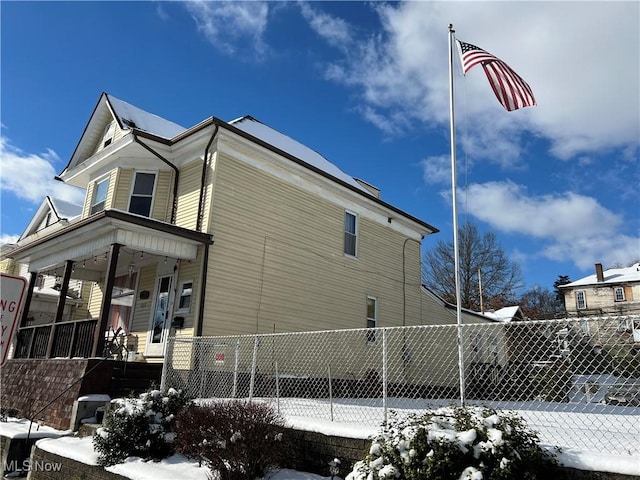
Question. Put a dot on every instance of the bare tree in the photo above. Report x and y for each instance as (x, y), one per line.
(540, 303)
(500, 276)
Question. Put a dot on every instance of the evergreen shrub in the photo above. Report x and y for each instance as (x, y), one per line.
(139, 427)
(454, 443)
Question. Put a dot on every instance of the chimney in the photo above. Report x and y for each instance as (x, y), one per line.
(599, 274)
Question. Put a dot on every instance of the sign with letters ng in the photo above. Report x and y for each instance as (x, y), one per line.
(11, 293)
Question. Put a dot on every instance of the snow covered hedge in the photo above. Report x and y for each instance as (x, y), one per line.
(455, 443)
(139, 427)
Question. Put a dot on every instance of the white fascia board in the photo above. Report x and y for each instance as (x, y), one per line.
(302, 177)
(82, 174)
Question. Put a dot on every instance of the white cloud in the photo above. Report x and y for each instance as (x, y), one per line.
(30, 177)
(8, 239)
(572, 226)
(334, 30)
(436, 170)
(586, 83)
(234, 28)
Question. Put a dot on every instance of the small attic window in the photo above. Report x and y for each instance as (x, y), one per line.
(109, 133)
(129, 123)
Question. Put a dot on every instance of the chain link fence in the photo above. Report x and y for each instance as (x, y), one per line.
(575, 381)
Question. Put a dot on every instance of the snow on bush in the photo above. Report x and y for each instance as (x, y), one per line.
(139, 427)
(454, 443)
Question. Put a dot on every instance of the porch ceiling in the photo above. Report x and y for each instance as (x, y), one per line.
(87, 241)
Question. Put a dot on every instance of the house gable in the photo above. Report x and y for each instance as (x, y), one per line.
(51, 212)
(113, 118)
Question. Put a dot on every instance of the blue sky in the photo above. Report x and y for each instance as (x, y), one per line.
(366, 85)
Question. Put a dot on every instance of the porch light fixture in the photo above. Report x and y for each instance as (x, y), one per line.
(131, 269)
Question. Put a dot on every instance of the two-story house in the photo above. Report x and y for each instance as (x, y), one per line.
(615, 291)
(220, 228)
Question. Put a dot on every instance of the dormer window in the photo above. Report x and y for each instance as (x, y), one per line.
(99, 196)
(109, 132)
(142, 194)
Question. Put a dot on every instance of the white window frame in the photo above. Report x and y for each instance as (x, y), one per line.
(348, 213)
(182, 293)
(153, 192)
(372, 322)
(618, 294)
(581, 300)
(94, 203)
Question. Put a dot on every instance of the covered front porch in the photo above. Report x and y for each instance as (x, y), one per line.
(98, 264)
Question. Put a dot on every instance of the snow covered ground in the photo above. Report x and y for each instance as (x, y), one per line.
(580, 436)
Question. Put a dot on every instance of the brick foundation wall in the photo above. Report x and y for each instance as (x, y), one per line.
(29, 384)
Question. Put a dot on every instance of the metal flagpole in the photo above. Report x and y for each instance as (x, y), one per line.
(456, 256)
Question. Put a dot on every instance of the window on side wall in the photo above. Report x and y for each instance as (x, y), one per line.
(581, 300)
(350, 234)
(184, 300)
(142, 193)
(618, 294)
(99, 196)
(372, 319)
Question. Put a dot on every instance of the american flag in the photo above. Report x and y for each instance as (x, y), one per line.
(512, 91)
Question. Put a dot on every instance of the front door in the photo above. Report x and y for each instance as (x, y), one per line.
(160, 316)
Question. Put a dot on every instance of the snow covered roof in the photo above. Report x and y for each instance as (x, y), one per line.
(267, 134)
(65, 210)
(611, 276)
(61, 210)
(504, 314)
(130, 116)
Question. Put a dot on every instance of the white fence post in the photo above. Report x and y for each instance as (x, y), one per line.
(384, 374)
(235, 370)
(253, 368)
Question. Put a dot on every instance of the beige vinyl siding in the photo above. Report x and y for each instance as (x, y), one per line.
(111, 192)
(272, 269)
(189, 271)
(117, 135)
(142, 307)
(161, 208)
(83, 311)
(95, 300)
(86, 208)
(189, 194)
(123, 190)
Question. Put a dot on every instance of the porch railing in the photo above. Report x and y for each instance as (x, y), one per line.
(71, 339)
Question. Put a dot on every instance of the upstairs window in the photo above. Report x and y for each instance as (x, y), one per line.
(372, 319)
(618, 294)
(142, 194)
(350, 233)
(581, 300)
(109, 132)
(99, 196)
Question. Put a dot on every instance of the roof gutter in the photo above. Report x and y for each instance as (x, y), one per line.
(203, 179)
(174, 205)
